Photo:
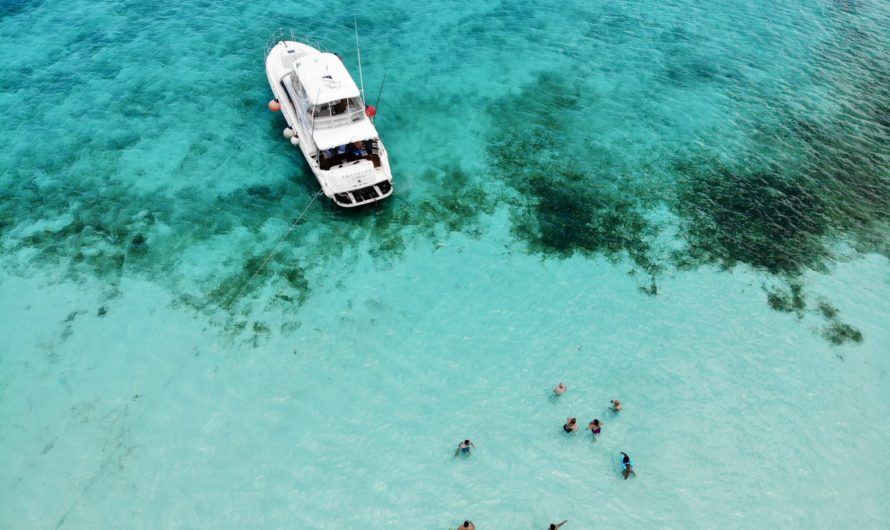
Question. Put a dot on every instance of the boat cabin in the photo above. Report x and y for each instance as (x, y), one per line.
(325, 91)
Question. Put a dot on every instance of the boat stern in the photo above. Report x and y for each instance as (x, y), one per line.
(361, 196)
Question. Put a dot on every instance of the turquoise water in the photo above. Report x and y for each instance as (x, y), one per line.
(682, 205)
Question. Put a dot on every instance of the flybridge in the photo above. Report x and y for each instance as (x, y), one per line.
(325, 79)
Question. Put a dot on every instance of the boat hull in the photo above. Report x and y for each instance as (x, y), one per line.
(350, 183)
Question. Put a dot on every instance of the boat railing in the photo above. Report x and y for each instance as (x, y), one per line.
(338, 120)
(286, 34)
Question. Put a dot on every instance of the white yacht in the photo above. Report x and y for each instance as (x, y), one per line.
(328, 120)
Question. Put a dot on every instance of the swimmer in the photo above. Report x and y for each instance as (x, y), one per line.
(467, 526)
(628, 466)
(464, 448)
(595, 427)
(616, 405)
(560, 389)
(571, 425)
(556, 525)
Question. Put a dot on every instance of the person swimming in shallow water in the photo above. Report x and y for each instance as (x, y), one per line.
(464, 448)
(596, 428)
(616, 405)
(560, 389)
(468, 525)
(571, 425)
(556, 526)
(628, 466)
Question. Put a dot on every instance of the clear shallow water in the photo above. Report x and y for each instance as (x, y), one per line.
(681, 205)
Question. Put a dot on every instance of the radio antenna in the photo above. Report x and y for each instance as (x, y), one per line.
(359, 52)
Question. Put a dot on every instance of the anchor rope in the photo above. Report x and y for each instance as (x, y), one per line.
(280, 241)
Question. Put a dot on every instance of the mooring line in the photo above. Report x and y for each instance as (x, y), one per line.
(280, 241)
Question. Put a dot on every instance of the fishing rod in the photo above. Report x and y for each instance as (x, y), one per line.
(379, 93)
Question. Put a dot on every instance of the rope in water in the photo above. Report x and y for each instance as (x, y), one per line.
(280, 241)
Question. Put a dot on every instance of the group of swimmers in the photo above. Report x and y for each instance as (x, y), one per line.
(596, 427)
(570, 426)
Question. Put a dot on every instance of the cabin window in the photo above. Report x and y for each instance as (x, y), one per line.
(340, 107)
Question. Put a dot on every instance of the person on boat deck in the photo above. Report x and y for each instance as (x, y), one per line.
(464, 448)
(358, 148)
(341, 149)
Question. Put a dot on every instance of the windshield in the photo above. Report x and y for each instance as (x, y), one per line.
(337, 108)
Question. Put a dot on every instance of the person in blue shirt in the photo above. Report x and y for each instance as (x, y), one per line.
(628, 466)
(464, 448)
(358, 149)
